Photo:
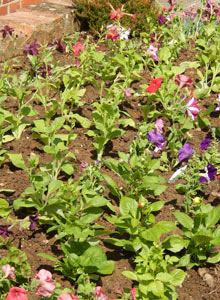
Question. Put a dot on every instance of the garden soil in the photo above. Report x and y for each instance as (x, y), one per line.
(194, 287)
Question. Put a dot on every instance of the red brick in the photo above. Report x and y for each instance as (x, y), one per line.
(13, 7)
(6, 1)
(3, 10)
(25, 3)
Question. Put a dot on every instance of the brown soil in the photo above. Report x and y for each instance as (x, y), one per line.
(194, 287)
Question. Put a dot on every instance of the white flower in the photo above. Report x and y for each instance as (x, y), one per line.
(176, 174)
(123, 32)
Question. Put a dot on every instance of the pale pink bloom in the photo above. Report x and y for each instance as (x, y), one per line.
(153, 52)
(183, 80)
(9, 272)
(99, 294)
(192, 108)
(84, 164)
(67, 296)
(46, 283)
(128, 92)
(134, 16)
(159, 124)
(16, 293)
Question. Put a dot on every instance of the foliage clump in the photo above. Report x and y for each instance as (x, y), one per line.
(95, 15)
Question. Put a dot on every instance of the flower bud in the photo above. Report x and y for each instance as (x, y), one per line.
(197, 200)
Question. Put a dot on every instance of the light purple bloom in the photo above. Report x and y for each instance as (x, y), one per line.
(218, 105)
(153, 52)
(205, 144)
(156, 139)
(185, 152)
(31, 48)
(192, 108)
(128, 92)
(208, 174)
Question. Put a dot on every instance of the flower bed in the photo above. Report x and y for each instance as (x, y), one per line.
(110, 163)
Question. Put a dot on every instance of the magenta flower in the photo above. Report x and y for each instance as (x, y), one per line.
(183, 80)
(31, 48)
(84, 164)
(192, 108)
(185, 152)
(58, 45)
(161, 19)
(9, 272)
(116, 14)
(6, 30)
(16, 293)
(208, 174)
(4, 232)
(46, 284)
(45, 70)
(205, 144)
(33, 219)
(112, 34)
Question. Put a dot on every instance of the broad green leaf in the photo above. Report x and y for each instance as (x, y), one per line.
(97, 201)
(130, 275)
(164, 277)
(184, 219)
(53, 186)
(17, 161)
(67, 167)
(177, 277)
(86, 123)
(127, 122)
(18, 203)
(4, 208)
(214, 258)
(57, 123)
(175, 244)
(154, 233)
(93, 256)
(213, 217)
(128, 205)
(47, 256)
(158, 205)
(184, 260)
(157, 288)
(112, 186)
(107, 267)
(164, 54)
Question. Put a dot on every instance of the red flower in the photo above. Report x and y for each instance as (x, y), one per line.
(113, 35)
(116, 14)
(155, 84)
(16, 293)
(78, 48)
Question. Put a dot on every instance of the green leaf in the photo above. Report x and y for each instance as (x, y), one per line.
(184, 219)
(4, 208)
(107, 267)
(53, 186)
(93, 256)
(158, 205)
(164, 277)
(157, 288)
(67, 167)
(177, 277)
(130, 275)
(128, 206)
(213, 217)
(112, 186)
(17, 160)
(154, 233)
(175, 243)
(164, 54)
(18, 203)
(214, 258)
(184, 260)
(127, 122)
(47, 256)
(86, 123)
(97, 201)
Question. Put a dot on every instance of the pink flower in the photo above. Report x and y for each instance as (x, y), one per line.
(116, 14)
(84, 164)
(192, 108)
(67, 296)
(134, 16)
(78, 48)
(128, 92)
(183, 80)
(159, 124)
(99, 294)
(9, 272)
(132, 292)
(112, 34)
(16, 293)
(46, 283)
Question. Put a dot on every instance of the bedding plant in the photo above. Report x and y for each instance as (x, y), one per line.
(109, 159)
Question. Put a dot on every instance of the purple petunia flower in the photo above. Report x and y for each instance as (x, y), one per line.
(156, 139)
(205, 144)
(208, 174)
(33, 220)
(6, 30)
(45, 70)
(161, 19)
(58, 45)
(4, 232)
(185, 152)
(31, 48)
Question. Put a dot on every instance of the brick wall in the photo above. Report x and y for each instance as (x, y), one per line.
(9, 6)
